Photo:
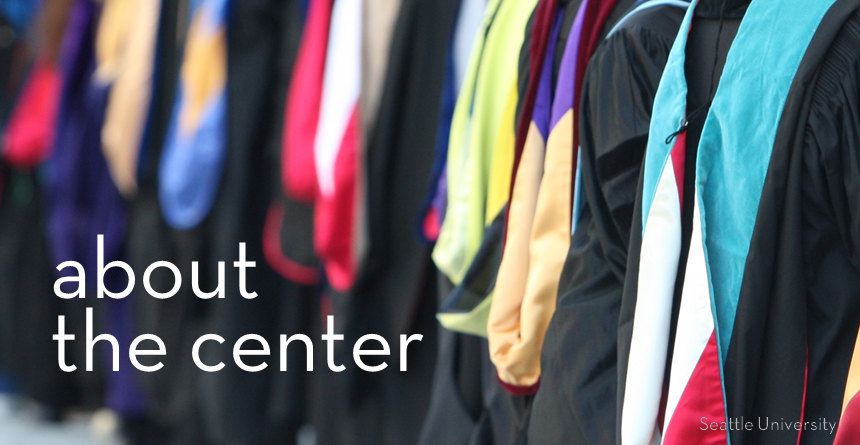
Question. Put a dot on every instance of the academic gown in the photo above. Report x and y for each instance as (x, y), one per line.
(172, 391)
(576, 402)
(292, 247)
(262, 41)
(797, 316)
(288, 247)
(468, 402)
(456, 400)
(395, 288)
(194, 407)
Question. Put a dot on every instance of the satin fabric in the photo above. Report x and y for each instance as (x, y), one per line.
(467, 309)
(849, 430)
(514, 340)
(542, 20)
(852, 384)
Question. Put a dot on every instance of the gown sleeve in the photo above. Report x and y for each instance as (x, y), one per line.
(831, 231)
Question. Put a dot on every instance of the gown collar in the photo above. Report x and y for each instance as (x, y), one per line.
(710, 9)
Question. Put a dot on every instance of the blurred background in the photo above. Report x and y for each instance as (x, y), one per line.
(310, 130)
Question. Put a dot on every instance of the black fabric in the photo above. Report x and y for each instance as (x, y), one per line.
(569, 8)
(453, 413)
(255, 48)
(576, 401)
(523, 69)
(727, 9)
(297, 229)
(505, 417)
(289, 402)
(621, 9)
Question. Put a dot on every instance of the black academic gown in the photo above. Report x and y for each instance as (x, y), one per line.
(395, 289)
(264, 407)
(576, 402)
(798, 294)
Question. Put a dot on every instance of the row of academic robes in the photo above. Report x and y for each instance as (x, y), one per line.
(597, 284)
(555, 131)
(454, 401)
(171, 406)
(167, 210)
(394, 288)
(747, 368)
(550, 422)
